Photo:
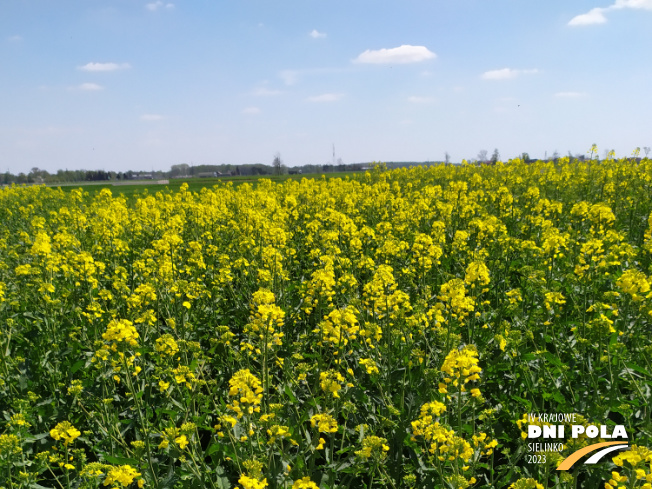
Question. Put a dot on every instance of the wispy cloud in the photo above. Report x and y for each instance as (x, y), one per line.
(154, 6)
(89, 87)
(15, 38)
(289, 77)
(421, 100)
(315, 34)
(294, 76)
(151, 117)
(251, 110)
(401, 55)
(104, 66)
(570, 94)
(506, 73)
(597, 15)
(266, 92)
(326, 97)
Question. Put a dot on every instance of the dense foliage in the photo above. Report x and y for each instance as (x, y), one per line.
(388, 330)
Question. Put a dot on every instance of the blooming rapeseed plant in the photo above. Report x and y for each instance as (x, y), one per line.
(65, 431)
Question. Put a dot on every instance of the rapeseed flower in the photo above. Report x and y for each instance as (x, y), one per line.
(325, 423)
(246, 391)
(304, 483)
(121, 330)
(526, 483)
(65, 431)
(121, 476)
(331, 382)
(459, 368)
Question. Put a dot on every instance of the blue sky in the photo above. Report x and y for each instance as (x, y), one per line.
(123, 84)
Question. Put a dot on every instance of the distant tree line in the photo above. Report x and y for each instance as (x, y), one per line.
(37, 175)
(277, 167)
(181, 170)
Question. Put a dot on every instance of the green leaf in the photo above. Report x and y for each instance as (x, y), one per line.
(552, 359)
(120, 460)
(78, 364)
(290, 394)
(636, 368)
(211, 449)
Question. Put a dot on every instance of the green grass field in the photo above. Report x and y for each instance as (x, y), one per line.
(133, 188)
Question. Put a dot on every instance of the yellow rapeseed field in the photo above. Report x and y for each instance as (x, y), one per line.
(393, 329)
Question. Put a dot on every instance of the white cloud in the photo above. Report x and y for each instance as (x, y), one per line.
(400, 55)
(89, 87)
(15, 38)
(593, 16)
(154, 6)
(421, 100)
(596, 15)
(635, 4)
(251, 110)
(570, 94)
(326, 97)
(506, 74)
(315, 34)
(151, 117)
(104, 66)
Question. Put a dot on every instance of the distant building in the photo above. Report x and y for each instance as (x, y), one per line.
(208, 174)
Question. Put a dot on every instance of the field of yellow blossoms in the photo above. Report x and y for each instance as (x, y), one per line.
(389, 330)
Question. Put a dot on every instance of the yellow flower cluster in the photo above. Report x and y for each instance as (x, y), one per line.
(122, 476)
(426, 252)
(554, 299)
(246, 391)
(304, 483)
(178, 436)
(459, 368)
(340, 326)
(278, 432)
(634, 283)
(65, 431)
(321, 288)
(484, 443)
(252, 483)
(121, 330)
(331, 382)
(266, 322)
(373, 447)
(369, 365)
(453, 295)
(443, 443)
(182, 375)
(325, 423)
(19, 419)
(638, 460)
(379, 291)
(167, 345)
(477, 273)
(526, 483)
(9, 445)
